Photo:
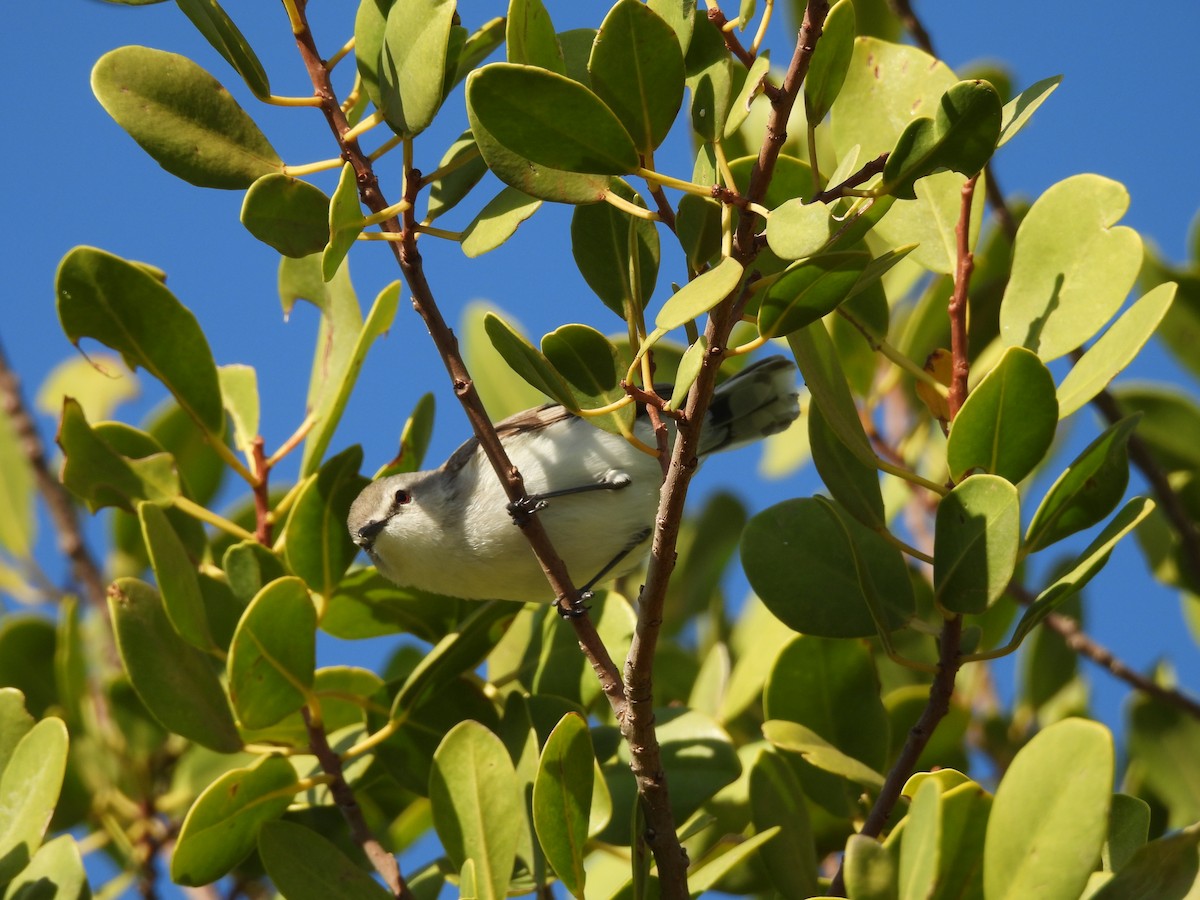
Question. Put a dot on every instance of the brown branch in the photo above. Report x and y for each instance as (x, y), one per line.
(940, 693)
(868, 171)
(1089, 648)
(638, 726)
(781, 109)
(745, 57)
(343, 795)
(262, 493)
(960, 366)
(908, 18)
(665, 212)
(411, 265)
(84, 569)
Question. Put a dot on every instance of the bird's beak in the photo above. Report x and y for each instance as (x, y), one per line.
(365, 536)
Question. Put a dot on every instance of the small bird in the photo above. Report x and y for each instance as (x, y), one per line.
(451, 530)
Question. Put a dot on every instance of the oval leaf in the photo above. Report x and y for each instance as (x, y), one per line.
(288, 214)
(182, 117)
(550, 119)
(699, 295)
(498, 221)
(526, 361)
(975, 545)
(218, 29)
(636, 68)
(616, 253)
(175, 681)
(306, 866)
(1114, 350)
(122, 306)
(562, 799)
(1072, 266)
(221, 827)
(830, 61)
(1008, 422)
(476, 807)
(808, 291)
(318, 547)
(803, 535)
(1089, 489)
(273, 654)
(412, 63)
(29, 789)
(1050, 814)
(176, 574)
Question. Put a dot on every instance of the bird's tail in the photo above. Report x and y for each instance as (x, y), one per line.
(757, 401)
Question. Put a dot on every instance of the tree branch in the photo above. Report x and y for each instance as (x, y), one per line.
(960, 366)
(940, 693)
(343, 795)
(84, 569)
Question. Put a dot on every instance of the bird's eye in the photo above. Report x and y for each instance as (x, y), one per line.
(401, 497)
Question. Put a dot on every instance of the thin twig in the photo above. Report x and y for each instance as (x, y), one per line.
(84, 569)
(960, 366)
(869, 170)
(904, 11)
(940, 693)
(732, 43)
(382, 861)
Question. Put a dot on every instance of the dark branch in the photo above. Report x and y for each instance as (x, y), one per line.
(960, 366)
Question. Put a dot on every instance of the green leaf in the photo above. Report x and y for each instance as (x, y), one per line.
(813, 679)
(797, 228)
(27, 647)
(176, 575)
(222, 825)
(345, 223)
(819, 752)
(562, 799)
(550, 120)
(175, 681)
(218, 29)
(239, 396)
(18, 525)
(920, 850)
(804, 535)
(1087, 491)
(1050, 814)
(739, 109)
(502, 390)
(273, 654)
(529, 37)
(1114, 350)
(723, 860)
(636, 68)
(305, 866)
(182, 117)
(961, 137)
(369, 24)
(777, 800)
(1019, 109)
(15, 722)
(468, 168)
(101, 476)
(854, 485)
(699, 295)
(98, 382)
(55, 873)
(808, 291)
(476, 808)
(593, 369)
(122, 306)
(616, 253)
(1162, 741)
(1170, 423)
(524, 359)
(1085, 567)
(680, 15)
(1072, 266)
(818, 362)
(318, 547)
(498, 221)
(976, 539)
(830, 61)
(870, 869)
(886, 87)
(709, 79)
(1161, 869)
(1128, 830)
(689, 370)
(29, 789)
(1008, 422)
(412, 66)
(288, 214)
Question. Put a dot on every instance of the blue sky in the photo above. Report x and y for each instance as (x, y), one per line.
(1126, 109)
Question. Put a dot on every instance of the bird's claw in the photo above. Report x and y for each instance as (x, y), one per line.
(577, 608)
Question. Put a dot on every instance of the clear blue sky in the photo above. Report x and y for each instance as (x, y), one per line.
(1126, 109)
